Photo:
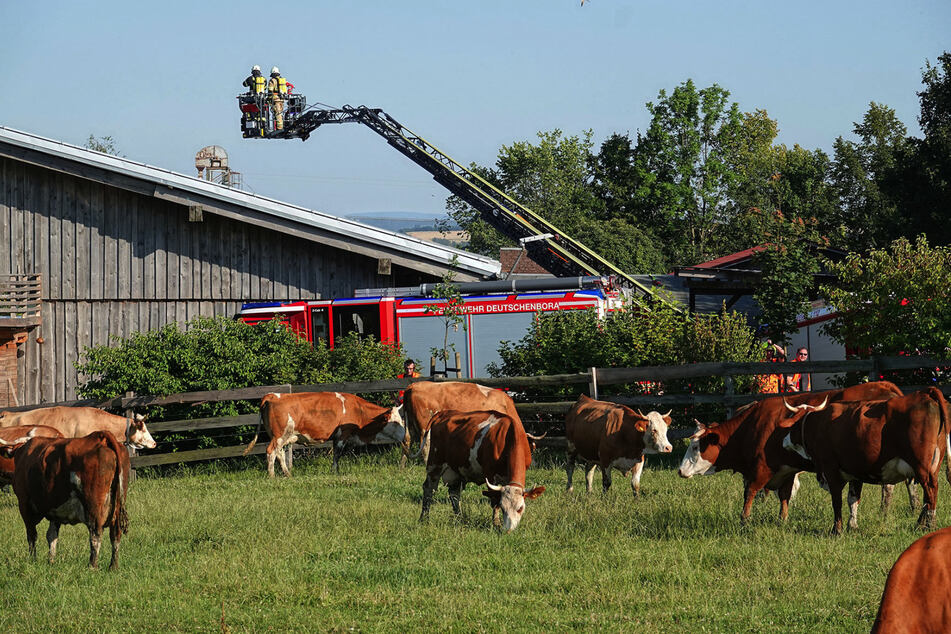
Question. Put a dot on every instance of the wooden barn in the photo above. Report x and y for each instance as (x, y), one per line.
(93, 245)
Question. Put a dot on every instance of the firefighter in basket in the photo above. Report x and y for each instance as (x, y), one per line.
(277, 91)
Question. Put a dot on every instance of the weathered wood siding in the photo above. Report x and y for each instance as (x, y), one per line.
(114, 262)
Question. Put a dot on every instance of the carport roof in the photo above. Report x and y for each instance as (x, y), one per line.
(242, 206)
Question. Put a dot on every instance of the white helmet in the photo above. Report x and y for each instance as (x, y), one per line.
(255, 68)
(275, 70)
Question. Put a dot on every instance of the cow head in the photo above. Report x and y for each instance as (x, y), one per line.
(395, 428)
(510, 499)
(701, 455)
(137, 435)
(795, 440)
(654, 427)
(533, 441)
(8, 448)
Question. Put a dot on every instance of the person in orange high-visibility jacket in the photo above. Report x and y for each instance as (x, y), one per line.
(801, 381)
(277, 91)
(409, 371)
(773, 383)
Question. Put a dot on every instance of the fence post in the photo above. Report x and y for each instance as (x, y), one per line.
(728, 394)
(593, 383)
(130, 413)
(432, 367)
(874, 374)
(458, 365)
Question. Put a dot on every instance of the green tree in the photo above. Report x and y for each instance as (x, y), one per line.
(894, 300)
(863, 177)
(683, 169)
(104, 144)
(788, 261)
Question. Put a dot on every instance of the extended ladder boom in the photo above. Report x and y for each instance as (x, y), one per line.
(545, 243)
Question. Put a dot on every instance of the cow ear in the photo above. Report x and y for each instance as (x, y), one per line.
(6, 451)
(641, 425)
(533, 493)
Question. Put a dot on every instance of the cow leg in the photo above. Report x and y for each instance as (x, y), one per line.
(282, 458)
(115, 535)
(913, 499)
(52, 536)
(271, 455)
(605, 478)
(887, 491)
(589, 475)
(836, 484)
(455, 493)
(855, 496)
(30, 522)
(929, 486)
(95, 541)
(636, 477)
(750, 489)
(786, 492)
(429, 487)
(337, 451)
(570, 466)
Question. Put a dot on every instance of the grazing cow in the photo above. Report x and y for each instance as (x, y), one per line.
(316, 417)
(917, 596)
(72, 481)
(489, 447)
(76, 422)
(613, 436)
(18, 435)
(880, 442)
(424, 399)
(750, 443)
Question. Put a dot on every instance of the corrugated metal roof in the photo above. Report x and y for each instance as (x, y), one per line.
(372, 237)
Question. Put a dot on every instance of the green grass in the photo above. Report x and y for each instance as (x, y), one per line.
(320, 552)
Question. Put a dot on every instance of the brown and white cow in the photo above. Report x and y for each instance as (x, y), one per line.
(486, 446)
(917, 596)
(613, 436)
(18, 435)
(72, 481)
(76, 422)
(879, 442)
(317, 417)
(751, 443)
(425, 399)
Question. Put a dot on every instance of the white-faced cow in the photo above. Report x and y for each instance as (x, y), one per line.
(318, 417)
(751, 443)
(917, 596)
(18, 435)
(72, 481)
(489, 447)
(424, 399)
(879, 442)
(613, 436)
(76, 422)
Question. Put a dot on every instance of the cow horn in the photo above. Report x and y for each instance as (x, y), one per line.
(639, 413)
(494, 487)
(18, 441)
(536, 438)
(668, 413)
(789, 407)
(823, 405)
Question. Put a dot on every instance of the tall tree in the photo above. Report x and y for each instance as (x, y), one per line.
(863, 176)
(683, 170)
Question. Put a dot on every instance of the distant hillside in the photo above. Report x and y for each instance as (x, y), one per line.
(399, 221)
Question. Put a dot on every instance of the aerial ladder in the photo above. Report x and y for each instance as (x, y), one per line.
(545, 243)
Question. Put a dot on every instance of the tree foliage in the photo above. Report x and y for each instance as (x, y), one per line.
(222, 354)
(104, 144)
(894, 300)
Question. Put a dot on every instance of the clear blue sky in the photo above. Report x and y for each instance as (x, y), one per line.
(161, 78)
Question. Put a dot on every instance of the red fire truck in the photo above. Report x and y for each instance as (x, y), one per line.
(489, 320)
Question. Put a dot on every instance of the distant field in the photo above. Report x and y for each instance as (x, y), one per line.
(452, 236)
(320, 552)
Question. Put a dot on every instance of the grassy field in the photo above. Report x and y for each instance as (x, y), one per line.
(212, 550)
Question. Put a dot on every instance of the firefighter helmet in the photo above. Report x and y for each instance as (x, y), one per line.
(275, 70)
(255, 68)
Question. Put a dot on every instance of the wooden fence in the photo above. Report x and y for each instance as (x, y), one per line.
(593, 379)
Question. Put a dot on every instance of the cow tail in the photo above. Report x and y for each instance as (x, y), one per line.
(120, 518)
(412, 425)
(943, 430)
(257, 432)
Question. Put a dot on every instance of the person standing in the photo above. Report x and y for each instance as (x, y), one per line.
(255, 82)
(277, 89)
(409, 372)
(800, 381)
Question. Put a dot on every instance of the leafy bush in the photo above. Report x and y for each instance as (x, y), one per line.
(572, 341)
(222, 354)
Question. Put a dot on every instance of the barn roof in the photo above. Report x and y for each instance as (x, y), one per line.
(242, 206)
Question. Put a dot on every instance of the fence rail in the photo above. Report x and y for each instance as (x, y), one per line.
(593, 378)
